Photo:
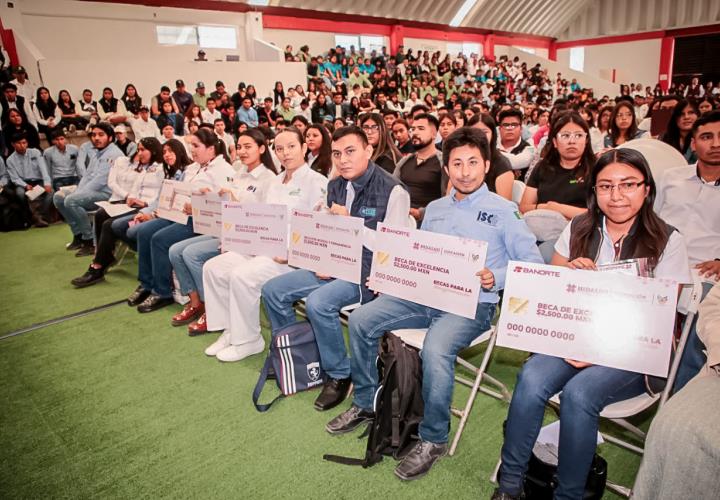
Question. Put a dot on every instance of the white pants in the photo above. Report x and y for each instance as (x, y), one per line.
(233, 284)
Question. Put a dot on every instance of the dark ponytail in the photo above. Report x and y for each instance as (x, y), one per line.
(208, 138)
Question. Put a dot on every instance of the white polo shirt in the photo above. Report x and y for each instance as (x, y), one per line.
(693, 207)
(250, 187)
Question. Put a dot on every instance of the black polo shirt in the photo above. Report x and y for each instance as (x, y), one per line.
(422, 180)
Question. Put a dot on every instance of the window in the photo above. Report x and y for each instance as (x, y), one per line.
(370, 43)
(467, 49)
(367, 42)
(176, 35)
(217, 37)
(577, 58)
(527, 49)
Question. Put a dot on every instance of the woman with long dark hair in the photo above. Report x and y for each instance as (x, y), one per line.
(385, 152)
(619, 224)
(68, 111)
(188, 256)
(678, 133)
(47, 112)
(131, 99)
(278, 93)
(147, 176)
(318, 142)
(623, 125)
(18, 125)
(209, 172)
(111, 109)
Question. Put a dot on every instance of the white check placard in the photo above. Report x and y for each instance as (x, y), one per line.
(255, 229)
(436, 270)
(604, 318)
(330, 245)
(173, 197)
(207, 214)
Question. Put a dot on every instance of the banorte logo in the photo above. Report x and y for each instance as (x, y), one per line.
(539, 272)
(394, 231)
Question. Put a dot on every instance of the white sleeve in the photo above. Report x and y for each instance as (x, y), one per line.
(562, 245)
(30, 113)
(396, 214)
(521, 160)
(674, 263)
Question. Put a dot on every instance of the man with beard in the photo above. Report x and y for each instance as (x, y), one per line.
(422, 171)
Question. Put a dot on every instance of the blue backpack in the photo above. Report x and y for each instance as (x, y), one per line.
(294, 360)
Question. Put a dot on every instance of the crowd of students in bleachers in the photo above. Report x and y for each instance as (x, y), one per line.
(423, 139)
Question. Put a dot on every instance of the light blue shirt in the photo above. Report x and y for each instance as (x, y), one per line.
(488, 217)
(248, 116)
(84, 156)
(96, 177)
(31, 165)
(63, 163)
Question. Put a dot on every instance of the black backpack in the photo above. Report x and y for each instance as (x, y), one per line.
(398, 404)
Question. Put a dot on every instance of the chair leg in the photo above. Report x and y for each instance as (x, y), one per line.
(473, 392)
(122, 251)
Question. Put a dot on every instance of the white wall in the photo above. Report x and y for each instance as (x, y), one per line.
(423, 44)
(636, 62)
(87, 44)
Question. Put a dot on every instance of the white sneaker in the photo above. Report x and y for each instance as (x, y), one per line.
(221, 343)
(241, 351)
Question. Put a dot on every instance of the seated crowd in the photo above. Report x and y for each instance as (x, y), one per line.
(424, 141)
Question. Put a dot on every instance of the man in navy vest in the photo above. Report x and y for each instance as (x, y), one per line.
(361, 190)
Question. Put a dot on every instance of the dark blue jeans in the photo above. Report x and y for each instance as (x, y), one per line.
(447, 335)
(585, 392)
(154, 239)
(325, 299)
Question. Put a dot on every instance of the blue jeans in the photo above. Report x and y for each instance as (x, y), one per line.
(585, 392)
(447, 335)
(155, 237)
(325, 298)
(122, 230)
(187, 258)
(693, 357)
(74, 207)
(59, 182)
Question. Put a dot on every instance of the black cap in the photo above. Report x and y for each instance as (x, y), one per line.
(179, 83)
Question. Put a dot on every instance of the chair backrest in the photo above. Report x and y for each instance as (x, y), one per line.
(517, 191)
(659, 155)
(692, 308)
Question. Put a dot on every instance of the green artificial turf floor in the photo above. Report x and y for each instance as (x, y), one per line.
(116, 404)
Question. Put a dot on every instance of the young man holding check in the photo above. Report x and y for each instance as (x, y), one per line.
(469, 211)
(361, 190)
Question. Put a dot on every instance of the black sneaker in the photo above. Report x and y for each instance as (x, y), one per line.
(333, 393)
(86, 248)
(420, 460)
(90, 277)
(75, 244)
(349, 420)
(501, 495)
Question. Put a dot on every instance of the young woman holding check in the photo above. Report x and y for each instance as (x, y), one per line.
(619, 224)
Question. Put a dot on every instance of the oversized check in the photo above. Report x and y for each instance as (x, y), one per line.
(604, 318)
(173, 197)
(207, 214)
(330, 245)
(255, 229)
(432, 269)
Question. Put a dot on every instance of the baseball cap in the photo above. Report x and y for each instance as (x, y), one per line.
(19, 69)
(144, 108)
(200, 85)
(179, 83)
(120, 129)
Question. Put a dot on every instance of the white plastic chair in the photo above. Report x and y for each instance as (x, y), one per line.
(517, 191)
(659, 155)
(416, 337)
(619, 412)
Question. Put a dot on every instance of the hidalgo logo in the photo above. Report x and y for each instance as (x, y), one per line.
(475, 257)
(356, 231)
(662, 299)
(313, 371)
